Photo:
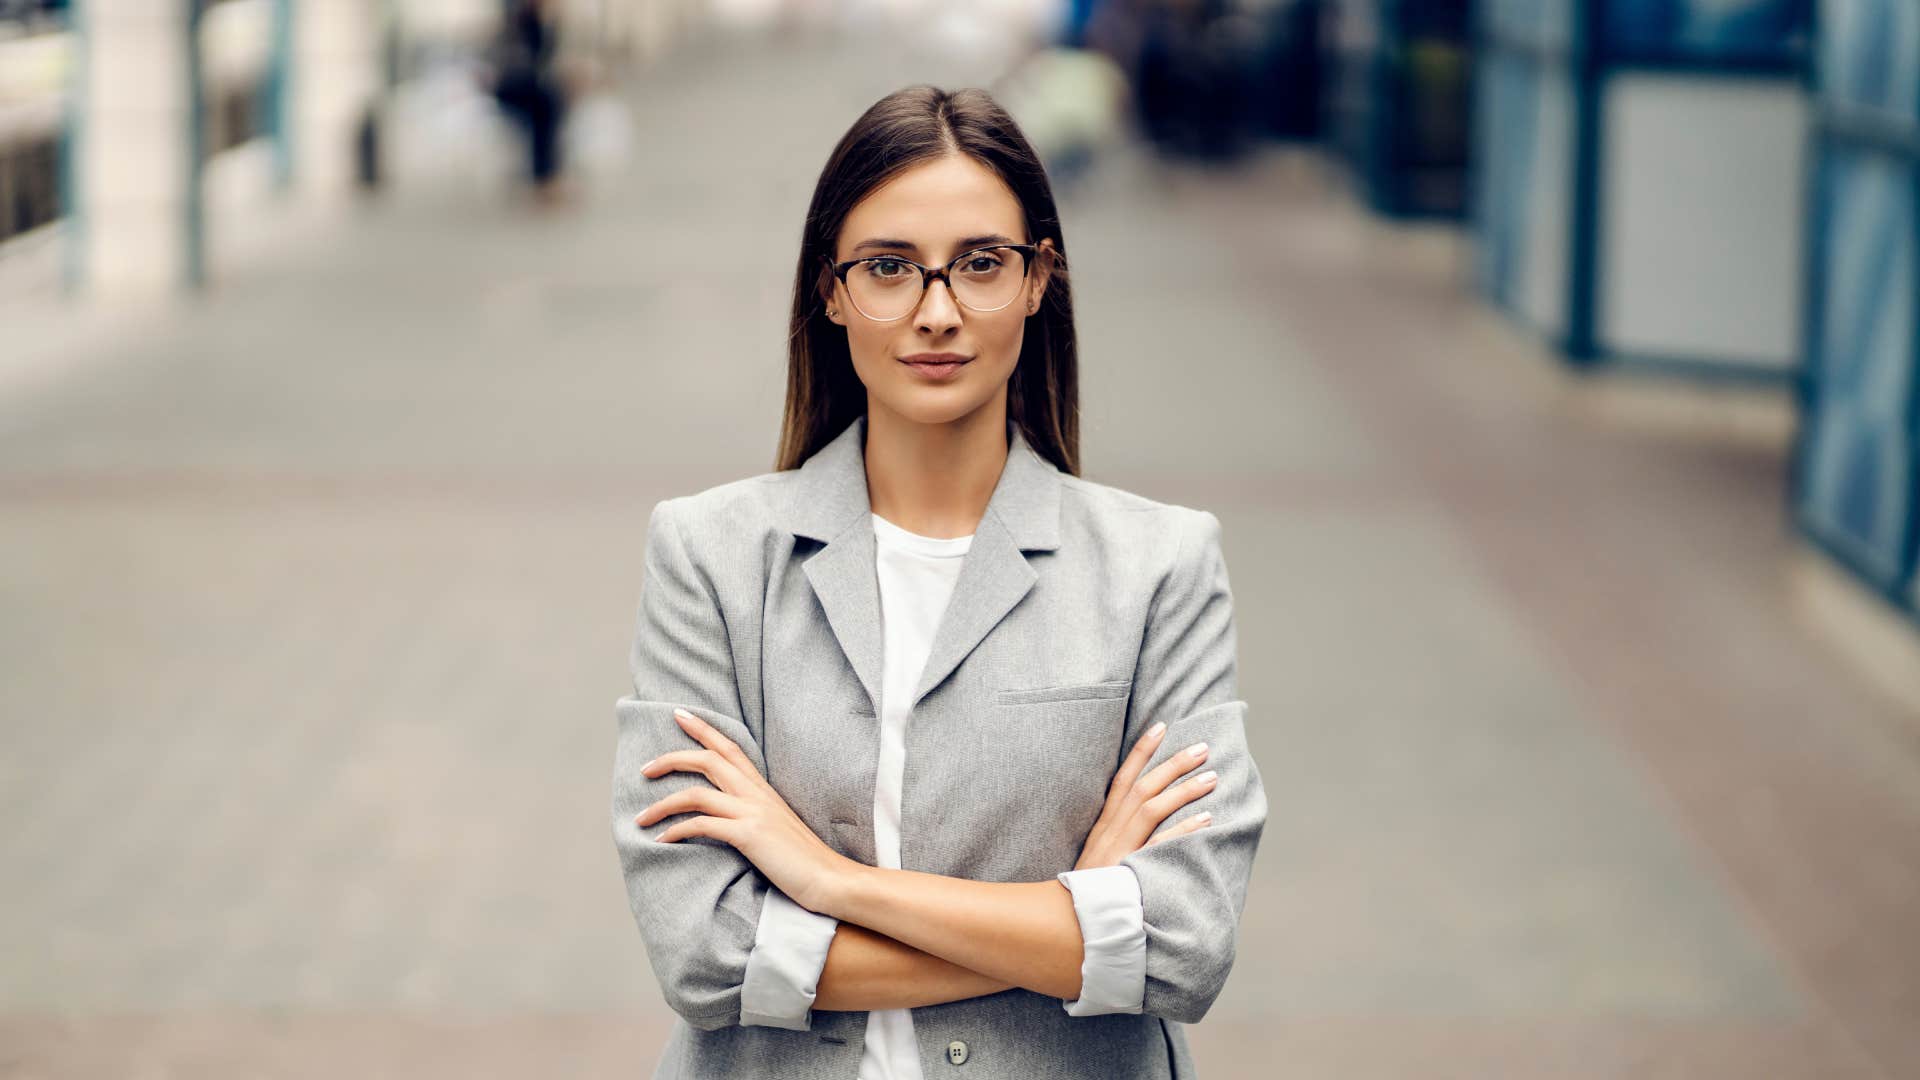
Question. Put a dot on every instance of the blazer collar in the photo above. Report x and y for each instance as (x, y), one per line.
(830, 503)
(831, 493)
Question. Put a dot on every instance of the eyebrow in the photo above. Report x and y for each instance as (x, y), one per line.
(890, 244)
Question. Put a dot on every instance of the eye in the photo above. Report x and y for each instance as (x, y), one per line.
(980, 263)
(887, 269)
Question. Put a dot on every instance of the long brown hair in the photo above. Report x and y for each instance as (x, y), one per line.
(905, 128)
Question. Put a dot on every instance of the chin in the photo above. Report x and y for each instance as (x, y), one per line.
(932, 412)
(935, 404)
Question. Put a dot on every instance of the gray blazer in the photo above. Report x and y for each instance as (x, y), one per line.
(1082, 614)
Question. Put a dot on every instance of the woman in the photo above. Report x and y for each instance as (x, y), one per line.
(912, 714)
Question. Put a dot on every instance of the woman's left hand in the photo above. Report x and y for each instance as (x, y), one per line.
(743, 810)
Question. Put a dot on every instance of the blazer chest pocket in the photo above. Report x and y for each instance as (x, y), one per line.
(1118, 688)
(1067, 740)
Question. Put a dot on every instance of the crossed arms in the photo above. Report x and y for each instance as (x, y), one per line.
(892, 938)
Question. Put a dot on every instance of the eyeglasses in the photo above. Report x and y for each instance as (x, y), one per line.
(889, 287)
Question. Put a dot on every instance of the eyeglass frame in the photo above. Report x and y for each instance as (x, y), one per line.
(928, 275)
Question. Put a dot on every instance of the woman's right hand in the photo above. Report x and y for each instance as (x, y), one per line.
(1137, 804)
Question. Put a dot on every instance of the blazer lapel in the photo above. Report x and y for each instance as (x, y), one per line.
(994, 576)
(843, 578)
(831, 504)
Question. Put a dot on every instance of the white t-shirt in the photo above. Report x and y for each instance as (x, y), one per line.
(916, 575)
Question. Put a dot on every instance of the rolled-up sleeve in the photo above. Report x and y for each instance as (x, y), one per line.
(698, 901)
(1113, 964)
(1193, 887)
(783, 970)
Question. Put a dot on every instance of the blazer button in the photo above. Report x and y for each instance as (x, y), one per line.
(957, 1052)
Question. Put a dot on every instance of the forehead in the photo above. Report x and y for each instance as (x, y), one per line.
(934, 204)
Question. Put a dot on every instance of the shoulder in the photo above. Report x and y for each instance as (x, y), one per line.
(735, 513)
(1170, 537)
(1104, 500)
(732, 503)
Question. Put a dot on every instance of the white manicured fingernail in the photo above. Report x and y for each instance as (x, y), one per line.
(1209, 776)
(1158, 727)
(1198, 749)
(1203, 818)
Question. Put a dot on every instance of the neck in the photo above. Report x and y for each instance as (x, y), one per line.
(935, 479)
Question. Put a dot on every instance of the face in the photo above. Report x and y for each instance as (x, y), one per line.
(931, 213)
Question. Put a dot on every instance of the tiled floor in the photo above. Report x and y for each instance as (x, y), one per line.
(316, 600)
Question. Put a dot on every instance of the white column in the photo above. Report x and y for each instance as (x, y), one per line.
(134, 147)
(335, 77)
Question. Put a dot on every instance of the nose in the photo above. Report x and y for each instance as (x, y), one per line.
(938, 313)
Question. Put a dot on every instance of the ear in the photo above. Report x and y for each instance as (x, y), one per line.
(825, 288)
(1041, 274)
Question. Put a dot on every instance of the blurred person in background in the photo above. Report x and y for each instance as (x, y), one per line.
(528, 85)
(1192, 65)
(827, 717)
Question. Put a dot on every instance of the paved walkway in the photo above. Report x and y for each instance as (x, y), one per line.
(317, 598)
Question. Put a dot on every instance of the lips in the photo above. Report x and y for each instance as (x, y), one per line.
(936, 365)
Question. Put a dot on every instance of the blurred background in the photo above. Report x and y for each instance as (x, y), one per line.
(1550, 364)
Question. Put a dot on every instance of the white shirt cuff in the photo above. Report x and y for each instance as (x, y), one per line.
(783, 967)
(1113, 966)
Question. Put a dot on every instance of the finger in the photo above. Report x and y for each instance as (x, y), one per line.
(710, 737)
(717, 828)
(1161, 806)
(1156, 781)
(688, 799)
(1137, 759)
(705, 762)
(1181, 828)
